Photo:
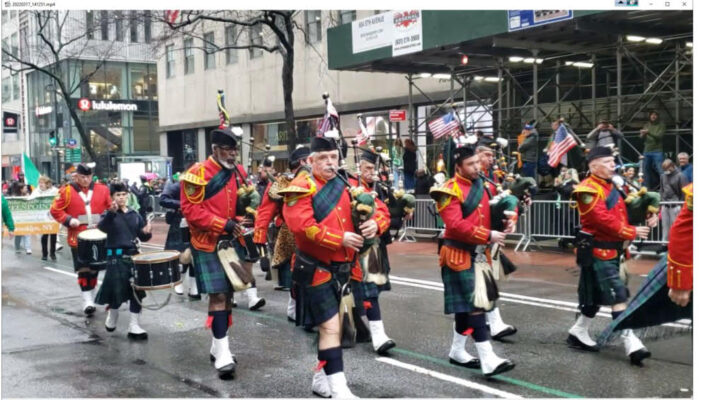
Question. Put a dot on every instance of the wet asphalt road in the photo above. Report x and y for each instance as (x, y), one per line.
(49, 349)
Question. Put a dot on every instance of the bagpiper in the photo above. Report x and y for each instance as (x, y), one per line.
(600, 242)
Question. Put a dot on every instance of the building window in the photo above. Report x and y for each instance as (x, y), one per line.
(231, 54)
(104, 25)
(209, 49)
(14, 45)
(256, 36)
(118, 26)
(89, 25)
(346, 16)
(147, 26)
(189, 57)
(15, 87)
(6, 89)
(5, 17)
(13, 14)
(170, 61)
(133, 27)
(312, 21)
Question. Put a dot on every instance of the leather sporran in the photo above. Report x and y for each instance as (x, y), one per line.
(241, 278)
(345, 312)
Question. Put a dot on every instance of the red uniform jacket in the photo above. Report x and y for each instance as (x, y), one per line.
(680, 257)
(68, 204)
(606, 225)
(267, 211)
(207, 218)
(321, 240)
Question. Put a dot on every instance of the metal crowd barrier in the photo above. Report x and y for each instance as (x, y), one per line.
(544, 219)
(157, 209)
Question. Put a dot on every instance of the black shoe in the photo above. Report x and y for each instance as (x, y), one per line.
(195, 296)
(137, 336)
(472, 364)
(110, 329)
(212, 358)
(227, 372)
(258, 305)
(386, 346)
(89, 310)
(44, 258)
(575, 343)
(510, 330)
(53, 257)
(637, 357)
(503, 367)
(234, 303)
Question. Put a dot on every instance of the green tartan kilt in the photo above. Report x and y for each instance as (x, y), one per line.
(209, 273)
(116, 286)
(459, 290)
(601, 284)
(322, 302)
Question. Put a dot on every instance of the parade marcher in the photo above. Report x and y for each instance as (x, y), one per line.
(381, 343)
(48, 241)
(271, 209)
(178, 235)
(463, 204)
(497, 328)
(600, 241)
(77, 207)
(680, 256)
(265, 175)
(318, 212)
(208, 199)
(123, 226)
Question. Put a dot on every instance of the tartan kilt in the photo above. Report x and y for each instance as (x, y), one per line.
(175, 239)
(322, 302)
(116, 285)
(209, 273)
(459, 290)
(601, 284)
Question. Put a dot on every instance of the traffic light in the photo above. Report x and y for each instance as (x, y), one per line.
(52, 139)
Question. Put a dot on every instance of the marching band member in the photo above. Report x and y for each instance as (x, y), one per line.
(680, 257)
(604, 230)
(77, 206)
(123, 225)
(463, 204)
(497, 328)
(318, 212)
(208, 199)
(271, 209)
(178, 236)
(381, 343)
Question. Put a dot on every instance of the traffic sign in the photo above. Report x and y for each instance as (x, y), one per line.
(397, 115)
(71, 143)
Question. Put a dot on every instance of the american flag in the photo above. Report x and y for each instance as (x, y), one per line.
(330, 118)
(562, 143)
(443, 125)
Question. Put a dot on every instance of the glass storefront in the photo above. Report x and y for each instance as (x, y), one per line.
(116, 103)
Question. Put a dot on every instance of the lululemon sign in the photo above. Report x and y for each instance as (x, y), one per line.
(84, 104)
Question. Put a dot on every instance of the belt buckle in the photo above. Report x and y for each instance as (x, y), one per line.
(344, 268)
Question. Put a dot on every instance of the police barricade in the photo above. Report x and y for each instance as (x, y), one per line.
(157, 209)
(552, 219)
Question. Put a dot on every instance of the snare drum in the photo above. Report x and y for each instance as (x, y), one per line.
(92, 251)
(156, 270)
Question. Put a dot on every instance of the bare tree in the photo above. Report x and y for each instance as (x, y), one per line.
(57, 36)
(277, 35)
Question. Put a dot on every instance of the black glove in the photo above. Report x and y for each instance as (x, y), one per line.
(230, 226)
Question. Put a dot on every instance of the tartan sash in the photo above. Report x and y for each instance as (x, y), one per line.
(612, 198)
(473, 197)
(217, 183)
(326, 199)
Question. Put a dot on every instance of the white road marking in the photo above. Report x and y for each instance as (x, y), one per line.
(73, 274)
(449, 378)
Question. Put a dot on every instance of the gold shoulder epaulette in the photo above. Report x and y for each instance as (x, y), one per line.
(301, 186)
(195, 175)
(688, 191)
(444, 194)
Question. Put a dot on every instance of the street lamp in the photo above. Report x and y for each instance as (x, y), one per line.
(51, 88)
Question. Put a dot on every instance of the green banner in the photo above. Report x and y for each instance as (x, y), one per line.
(31, 215)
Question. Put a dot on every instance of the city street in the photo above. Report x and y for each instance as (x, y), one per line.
(49, 349)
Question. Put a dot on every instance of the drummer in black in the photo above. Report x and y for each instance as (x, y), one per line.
(123, 226)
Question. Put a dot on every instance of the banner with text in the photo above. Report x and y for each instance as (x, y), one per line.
(31, 215)
(406, 32)
(372, 32)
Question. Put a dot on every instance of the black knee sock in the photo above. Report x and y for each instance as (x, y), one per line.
(220, 323)
(191, 270)
(589, 311)
(134, 305)
(478, 323)
(373, 311)
(331, 359)
(615, 314)
(462, 324)
(84, 279)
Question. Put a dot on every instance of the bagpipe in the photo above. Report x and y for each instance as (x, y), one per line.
(232, 252)
(399, 202)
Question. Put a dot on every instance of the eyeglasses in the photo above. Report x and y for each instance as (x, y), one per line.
(227, 149)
